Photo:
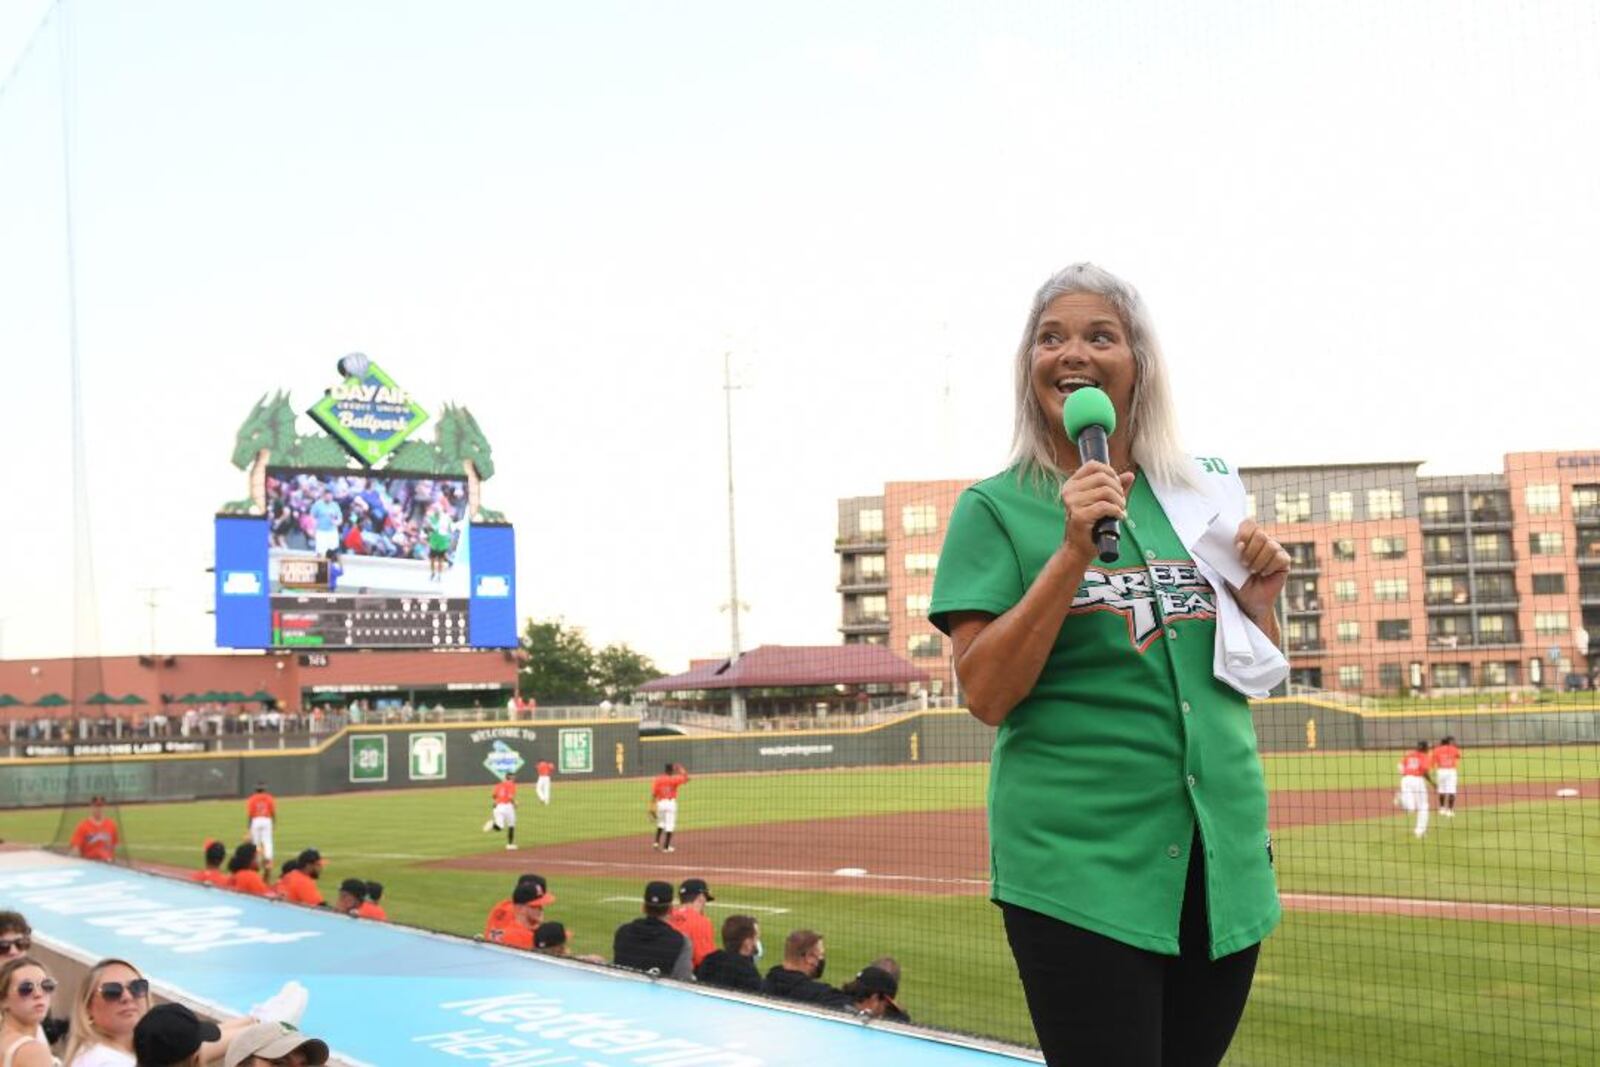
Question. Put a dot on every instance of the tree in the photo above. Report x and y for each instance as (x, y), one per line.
(619, 670)
(560, 664)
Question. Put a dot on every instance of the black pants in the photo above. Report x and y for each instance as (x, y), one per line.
(1096, 1002)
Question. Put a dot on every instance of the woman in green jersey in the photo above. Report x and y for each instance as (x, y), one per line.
(1127, 806)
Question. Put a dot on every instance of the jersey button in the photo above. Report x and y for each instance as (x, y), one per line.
(1174, 851)
(1190, 780)
(1186, 708)
(1149, 553)
(1172, 635)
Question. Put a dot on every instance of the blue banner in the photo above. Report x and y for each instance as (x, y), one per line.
(244, 610)
(492, 612)
(390, 996)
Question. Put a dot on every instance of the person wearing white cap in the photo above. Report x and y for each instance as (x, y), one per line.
(267, 1044)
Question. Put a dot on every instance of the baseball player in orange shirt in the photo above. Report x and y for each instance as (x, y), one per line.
(689, 918)
(541, 787)
(212, 873)
(1414, 781)
(664, 803)
(1447, 760)
(260, 811)
(370, 908)
(96, 837)
(504, 814)
(514, 922)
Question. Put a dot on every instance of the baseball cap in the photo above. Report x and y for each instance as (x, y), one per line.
(169, 1034)
(876, 980)
(549, 935)
(309, 855)
(271, 1041)
(532, 889)
(355, 887)
(692, 887)
(658, 893)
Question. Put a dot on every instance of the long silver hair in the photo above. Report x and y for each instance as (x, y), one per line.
(1152, 422)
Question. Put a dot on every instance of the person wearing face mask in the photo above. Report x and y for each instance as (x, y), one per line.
(25, 992)
(799, 976)
(1127, 803)
(733, 966)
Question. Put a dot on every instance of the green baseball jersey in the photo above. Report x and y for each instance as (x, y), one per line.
(1127, 743)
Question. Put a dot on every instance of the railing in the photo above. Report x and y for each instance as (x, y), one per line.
(1447, 518)
(883, 709)
(1454, 557)
(1491, 516)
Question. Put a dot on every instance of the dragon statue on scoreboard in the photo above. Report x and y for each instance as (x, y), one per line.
(270, 435)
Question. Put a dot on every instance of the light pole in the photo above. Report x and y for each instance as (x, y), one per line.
(735, 697)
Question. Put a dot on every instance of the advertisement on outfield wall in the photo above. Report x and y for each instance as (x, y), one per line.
(369, 758)
(428, 757)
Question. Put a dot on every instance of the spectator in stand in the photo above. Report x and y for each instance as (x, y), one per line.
(96, 837)
(514, 922)
(872, 993)
(648, 944)
(554, 939)
(170, 1035)
(275, 1043)
(243, 877)
(25, 992)
(733, 966)
(216, 855)
(300, 884)
(689, 918)
(16, 936)
(799, 976)
(352, 894)
(370, 908)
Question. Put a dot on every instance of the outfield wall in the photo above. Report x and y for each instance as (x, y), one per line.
(458, 754)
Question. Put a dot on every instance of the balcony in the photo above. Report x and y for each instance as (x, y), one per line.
(860, 583)
(864, 623)
(1589, 588)
(1310, 646)
(860, 542)
(1303, 563)
(1496, 560)
(1304, 605)
(1491, 517)
(1586, 515)
(1455, 557)
(1461, 598)
(1443, 520)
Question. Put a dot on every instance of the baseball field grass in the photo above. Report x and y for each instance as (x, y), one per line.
(1348, 986)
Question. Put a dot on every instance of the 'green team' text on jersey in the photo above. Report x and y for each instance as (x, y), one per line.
(1101, 773)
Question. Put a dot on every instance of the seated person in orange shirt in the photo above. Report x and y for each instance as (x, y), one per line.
(352, 894)
(244, 877)
(689, 918)
(513, 922)
(370, 908)
(300, 883)
(212, 873)
(96, 837)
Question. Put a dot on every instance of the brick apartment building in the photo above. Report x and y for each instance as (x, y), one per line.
(1400, 582)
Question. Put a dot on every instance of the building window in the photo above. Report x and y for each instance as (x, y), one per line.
(917, 605)
(1545, 543)
(1385, 504)
(1344, 550)
(1391, 675)
(1348, 631)
(869, 568)
(1496, 588)
(870, 522)
(1451, 675)
(1389, 589)
(1394, 629)
(1293, 507)
(1446, 589)
(1436, 506)
(1491, 548)
(919, 519)
(1441, 549)
(1341, 507)
(1350, 676)
(1302, 555)
(1388, 547)
(1345, 590)
(1496, 673)
(1493, 505)
(921, 564)
(924, 646)
(1250, 505)
(1497, 629)
(1543, 499)
(1549, 623)
(1302, 634)
(1585, 503)
(875, 608)
(1549, 584)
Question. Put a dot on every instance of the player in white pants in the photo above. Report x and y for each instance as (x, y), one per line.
(1414, 785)
(541, 785)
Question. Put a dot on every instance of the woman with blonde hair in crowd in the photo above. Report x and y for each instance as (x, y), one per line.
(25, 991)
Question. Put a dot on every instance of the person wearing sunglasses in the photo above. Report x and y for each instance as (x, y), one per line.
(25, 991)
(115, 997)
(16, 936)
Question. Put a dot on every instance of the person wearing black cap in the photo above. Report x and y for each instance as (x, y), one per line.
(216, 854)
(554, 939)
(689, 918)
(300, 884)
(733, 966)
(648, 944)
(799, 976)
(370, 908)
(872, 992)
(170, 1035)
(352, 892)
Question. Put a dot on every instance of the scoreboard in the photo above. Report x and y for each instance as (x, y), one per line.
(370, 622)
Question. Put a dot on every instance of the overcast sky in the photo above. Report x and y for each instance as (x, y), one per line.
(1367, 230)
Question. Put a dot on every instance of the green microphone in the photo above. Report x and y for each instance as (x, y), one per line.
(1089, 419)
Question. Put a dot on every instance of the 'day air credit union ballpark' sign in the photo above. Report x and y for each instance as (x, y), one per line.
(368, 412)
